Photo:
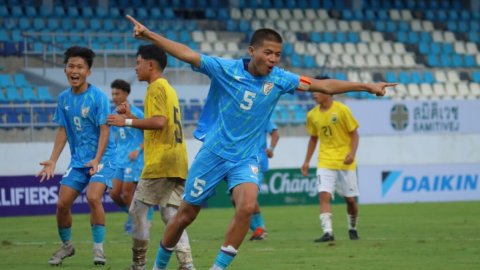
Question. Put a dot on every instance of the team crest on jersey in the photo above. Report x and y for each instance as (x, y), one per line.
(128, 170)
(267, 88)
(254, 169)
(334, 118)
(85, 111)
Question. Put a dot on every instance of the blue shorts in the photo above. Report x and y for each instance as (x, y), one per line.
(128, 174)
(79, 178)
(208, 170)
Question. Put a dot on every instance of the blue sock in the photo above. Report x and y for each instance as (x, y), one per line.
(163, 256)
(65, 233)
(225, 257)
(255, 221)
(259, 218)
(150, 213)
(98, 233)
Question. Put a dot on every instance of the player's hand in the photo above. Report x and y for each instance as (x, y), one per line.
(48, 170)
(116, 120)
(304, 169)
(123, 108)
(133, 155)
(379, 88)
(349, 159)
(139, 30)
(269, 153)
(94, 166)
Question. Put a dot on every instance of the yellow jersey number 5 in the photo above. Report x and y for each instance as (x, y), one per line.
(178, 125)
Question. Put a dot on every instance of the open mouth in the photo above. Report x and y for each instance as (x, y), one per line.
(75, 78)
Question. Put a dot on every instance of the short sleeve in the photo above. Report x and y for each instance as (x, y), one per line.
(59, 117)
(208, 65)
(271, 127)
(289, 81)
(159, 102)
(103, 109)
(310, 127)
(350, 120)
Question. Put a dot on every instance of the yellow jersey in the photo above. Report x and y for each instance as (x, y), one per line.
(165, 152)
(333, 128)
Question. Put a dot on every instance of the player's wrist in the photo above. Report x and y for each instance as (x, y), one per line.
(128, 122)
(271, 148)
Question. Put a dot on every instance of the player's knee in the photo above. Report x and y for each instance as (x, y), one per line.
(246, 209)
(94, 200)
(115, 195)
(62, 207)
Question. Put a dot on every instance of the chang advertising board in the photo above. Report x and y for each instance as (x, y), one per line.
(389, 117)
(279, 187)
(428, 183)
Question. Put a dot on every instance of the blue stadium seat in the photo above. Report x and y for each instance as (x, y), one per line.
(445, 60)
(5, 81)
(30, 11)
(24, 24)
(3, 99)
(470, 61)
(20, 80)
(476, 76)
(44, 94)
(13, 95)
(59, 11)
(16, 11)
(428, 77)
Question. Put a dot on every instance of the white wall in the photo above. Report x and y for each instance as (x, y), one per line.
(24, 158)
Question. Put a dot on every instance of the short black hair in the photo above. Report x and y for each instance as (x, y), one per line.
(152, 52)
(322, 77)
(121, 84)
(265, 34)
(83, 52)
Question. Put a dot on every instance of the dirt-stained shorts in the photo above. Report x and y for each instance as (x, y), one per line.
(160, 191)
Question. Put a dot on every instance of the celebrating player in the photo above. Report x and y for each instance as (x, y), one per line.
(81, 115)
(242, 96)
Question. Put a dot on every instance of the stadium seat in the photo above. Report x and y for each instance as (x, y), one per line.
(13, 95)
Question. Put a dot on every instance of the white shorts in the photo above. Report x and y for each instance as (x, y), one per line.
(342, 181)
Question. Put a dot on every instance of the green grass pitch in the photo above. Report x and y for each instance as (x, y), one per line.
(396, 236)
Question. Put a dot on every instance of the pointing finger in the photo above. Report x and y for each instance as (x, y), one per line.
(131, 19)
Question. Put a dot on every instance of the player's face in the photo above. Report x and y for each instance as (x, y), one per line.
(265, 57)
(143, 69)
(118, 96)
(320, 97)
(77, 71)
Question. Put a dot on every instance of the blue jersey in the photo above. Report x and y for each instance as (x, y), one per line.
(128, 139)
(239, 106)
(81, 115)
(262, 155)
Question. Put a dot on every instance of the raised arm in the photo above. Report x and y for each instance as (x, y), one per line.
(331, 87)
(176, 49)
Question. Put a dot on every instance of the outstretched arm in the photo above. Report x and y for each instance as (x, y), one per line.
(331, 87)
(176, 49)
(48, 170)
(154, 122)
